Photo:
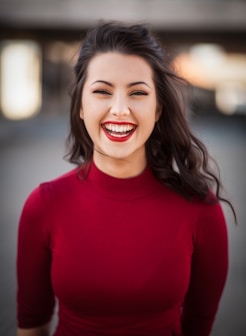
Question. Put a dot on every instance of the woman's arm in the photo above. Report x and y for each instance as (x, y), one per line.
(40, 331)
(35, 297)
(208, 273)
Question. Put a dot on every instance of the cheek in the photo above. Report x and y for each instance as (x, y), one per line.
(94, 108)
(92, 122)
(150, 114)
(148, 124)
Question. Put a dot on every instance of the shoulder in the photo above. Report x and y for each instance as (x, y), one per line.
(211, 223)
(42, 195)
(44, 202)
(204, 211)
(61, 181)
(210, 211)
(61, 186)
(203, 216)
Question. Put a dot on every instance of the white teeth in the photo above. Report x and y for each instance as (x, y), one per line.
(118, 128)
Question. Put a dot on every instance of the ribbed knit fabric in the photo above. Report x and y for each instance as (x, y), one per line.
(122, 256)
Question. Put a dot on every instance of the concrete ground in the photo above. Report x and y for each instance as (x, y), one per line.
(32, 151)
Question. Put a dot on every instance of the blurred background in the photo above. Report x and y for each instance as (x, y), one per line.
(206, 40)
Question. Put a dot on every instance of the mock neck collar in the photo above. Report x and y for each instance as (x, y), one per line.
(122, 188)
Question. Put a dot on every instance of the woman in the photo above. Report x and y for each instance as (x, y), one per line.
(133, 241)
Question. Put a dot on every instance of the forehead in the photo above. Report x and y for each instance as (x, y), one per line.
(119, 66)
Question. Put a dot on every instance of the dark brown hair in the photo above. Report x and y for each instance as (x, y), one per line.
(175, 155)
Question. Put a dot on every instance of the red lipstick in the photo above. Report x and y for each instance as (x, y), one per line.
(118, 131)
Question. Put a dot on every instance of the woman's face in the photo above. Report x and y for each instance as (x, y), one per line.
(119, 107)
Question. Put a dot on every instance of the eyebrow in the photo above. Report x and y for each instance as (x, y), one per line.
(129, 85)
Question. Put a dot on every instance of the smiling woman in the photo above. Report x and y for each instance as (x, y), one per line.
(127, 242)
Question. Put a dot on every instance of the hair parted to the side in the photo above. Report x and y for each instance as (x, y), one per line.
(175, 155)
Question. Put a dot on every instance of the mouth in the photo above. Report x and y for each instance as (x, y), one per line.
(119, 131)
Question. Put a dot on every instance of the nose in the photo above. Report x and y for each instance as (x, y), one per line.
(119, 107)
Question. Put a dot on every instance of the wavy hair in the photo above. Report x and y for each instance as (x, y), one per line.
(176, 156)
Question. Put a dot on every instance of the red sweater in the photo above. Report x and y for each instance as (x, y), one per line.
(122, 257)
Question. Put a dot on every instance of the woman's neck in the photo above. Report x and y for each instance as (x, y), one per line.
(120, 168)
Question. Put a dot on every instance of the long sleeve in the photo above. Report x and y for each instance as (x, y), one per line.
(35, 300)
(208, 275)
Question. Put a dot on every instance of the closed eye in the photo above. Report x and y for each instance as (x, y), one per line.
(103, 92)
(139, 93)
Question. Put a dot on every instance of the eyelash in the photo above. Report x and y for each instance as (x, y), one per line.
(139, 93)
(135, 93)
(101, 92)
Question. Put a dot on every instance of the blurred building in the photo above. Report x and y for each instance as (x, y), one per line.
(206, 39)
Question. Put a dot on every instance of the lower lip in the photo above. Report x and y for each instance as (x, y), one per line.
(118, 139)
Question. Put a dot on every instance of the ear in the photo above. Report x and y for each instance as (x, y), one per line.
(81, 113)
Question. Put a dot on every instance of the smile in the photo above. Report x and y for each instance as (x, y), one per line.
(118, 131)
